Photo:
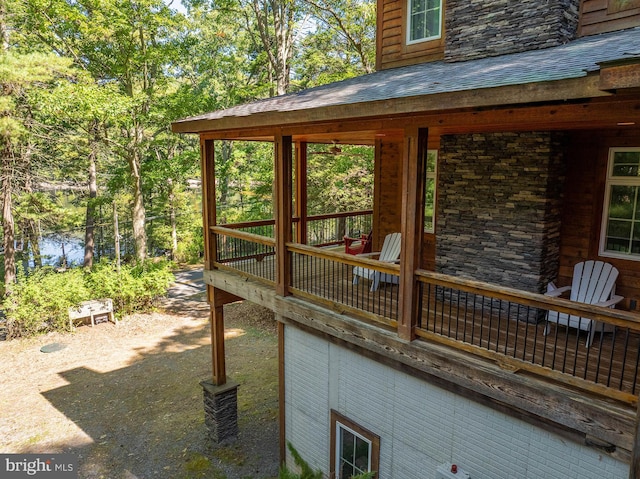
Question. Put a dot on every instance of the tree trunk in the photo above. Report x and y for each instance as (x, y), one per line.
(89, 233)
(139, 214)
(8, 227)
(172, 216)
(276, 16)
(4, 28)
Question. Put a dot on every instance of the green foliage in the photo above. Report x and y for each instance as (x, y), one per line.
(134, 288)
(305, 469)
(191, 246)
(39, 302)
(340, 182)
(306, 472)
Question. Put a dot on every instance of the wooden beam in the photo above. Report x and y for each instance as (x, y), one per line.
(208, 171)
(413, 171)
(601, 113)
(620, 76)
(528, 93)
(301, 192)
(283, 209)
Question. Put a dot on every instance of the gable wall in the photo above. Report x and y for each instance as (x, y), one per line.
(477, 29)
(599, 16)
(392, 50)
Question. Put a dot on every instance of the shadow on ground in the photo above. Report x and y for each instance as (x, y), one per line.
(146, 420)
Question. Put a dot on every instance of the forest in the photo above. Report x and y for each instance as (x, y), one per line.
(90, 88)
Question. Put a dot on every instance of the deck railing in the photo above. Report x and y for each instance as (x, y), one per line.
(330, 229)
(249, 247)
(510, 326)
(247, 253)
(327, 276)
(506, 325)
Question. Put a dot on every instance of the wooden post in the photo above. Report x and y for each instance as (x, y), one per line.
(216, 316)
(301, 192)
(208, 171)
(413, 171)
(214, 296)
(283, 170)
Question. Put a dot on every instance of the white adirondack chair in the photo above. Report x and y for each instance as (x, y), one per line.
(389, 253)
(594, 282)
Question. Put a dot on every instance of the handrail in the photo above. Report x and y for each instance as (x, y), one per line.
(243, 235)
(606, 315)
(248, 224)
(325, 216)
(383, 267)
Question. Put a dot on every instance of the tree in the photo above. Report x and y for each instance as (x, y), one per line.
(81, 114)
(19, 76)
(131, 44)
(342, 44)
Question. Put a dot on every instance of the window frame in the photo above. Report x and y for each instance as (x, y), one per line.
(340, 421)
(409, 24)
(610, 182)
(430, 175)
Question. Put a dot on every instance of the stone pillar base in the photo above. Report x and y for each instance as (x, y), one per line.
(221, 410)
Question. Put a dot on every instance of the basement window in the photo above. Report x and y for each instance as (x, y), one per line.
(620, 236)
(354, 450)
(424, 20)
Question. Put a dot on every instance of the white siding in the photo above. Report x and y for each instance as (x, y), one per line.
(420, 425)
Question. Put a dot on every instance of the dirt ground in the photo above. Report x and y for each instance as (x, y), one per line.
(126, 398)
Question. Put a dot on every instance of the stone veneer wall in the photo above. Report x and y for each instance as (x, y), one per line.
(499, 198)
(497, 27)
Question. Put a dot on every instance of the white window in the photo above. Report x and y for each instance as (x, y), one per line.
(355, 450)
(430, 191)
(620, 236)
(424, 20)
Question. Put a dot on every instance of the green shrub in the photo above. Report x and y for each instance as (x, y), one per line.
(306, 472)
(39, 302)
(191, 246)
(134, 288)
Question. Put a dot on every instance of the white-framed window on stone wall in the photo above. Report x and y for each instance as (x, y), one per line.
(620, 234)
(354, 450)
(430, 191)
(424, 20)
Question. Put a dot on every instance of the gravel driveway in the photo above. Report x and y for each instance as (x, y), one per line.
(126, 398)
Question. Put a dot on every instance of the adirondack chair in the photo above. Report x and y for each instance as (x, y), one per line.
(389, 253)
(594, 282)
(358, 245)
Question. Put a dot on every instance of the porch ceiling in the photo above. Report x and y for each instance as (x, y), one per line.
(556, 75)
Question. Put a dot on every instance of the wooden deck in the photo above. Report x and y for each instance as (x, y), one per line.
(510, 333)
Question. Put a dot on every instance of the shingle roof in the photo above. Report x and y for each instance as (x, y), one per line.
(572, 60)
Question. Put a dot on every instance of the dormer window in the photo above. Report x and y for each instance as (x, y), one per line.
(424, 20)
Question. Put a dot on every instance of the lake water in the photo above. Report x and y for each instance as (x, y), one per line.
(51, 250)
